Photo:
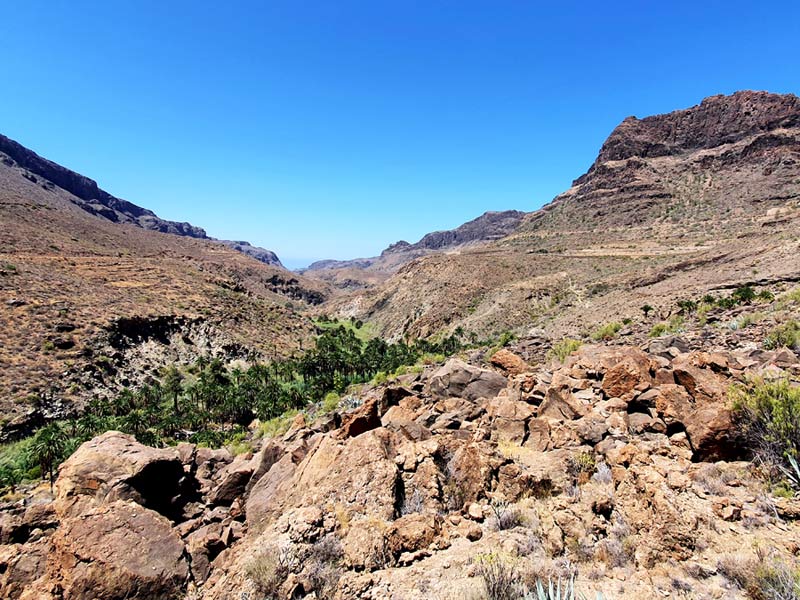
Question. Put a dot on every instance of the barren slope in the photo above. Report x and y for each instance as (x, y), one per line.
(71, 283)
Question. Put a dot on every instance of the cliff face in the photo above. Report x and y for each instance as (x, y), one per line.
(728, 156)
(717, 120)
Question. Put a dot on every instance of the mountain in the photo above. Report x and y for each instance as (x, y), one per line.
(696, 200)
(648, 455)
(365, 272)
(97, 293)
(86, 194)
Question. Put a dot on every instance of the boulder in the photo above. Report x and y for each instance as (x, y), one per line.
(508, 362)
(357, 472)
(114, 466)
(20, 566)
(233, 480)
(457, 378)
(118, 551)
(412, 532)
(627, 377)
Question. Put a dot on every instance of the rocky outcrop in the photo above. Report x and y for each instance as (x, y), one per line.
(620, 456)
(118, 551)
(267, 257)
(717, 120)
(491, 225)
(114, 466)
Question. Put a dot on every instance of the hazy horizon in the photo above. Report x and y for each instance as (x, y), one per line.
(331, 131)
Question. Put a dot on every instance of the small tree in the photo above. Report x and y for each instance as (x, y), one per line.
(647, 309)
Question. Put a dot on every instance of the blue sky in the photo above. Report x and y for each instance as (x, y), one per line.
(331, 129)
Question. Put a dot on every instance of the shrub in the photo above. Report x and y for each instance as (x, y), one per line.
(763, 577)
(500, 576)
(674, 325)
(324, 570)
(582, 463)
(506, 516)
(607, 331)
(743, 295)
(269, 569)
(330, 403)
(277, 426)
(769, 412)
(786, 335)
(563, 348)
(647, 309)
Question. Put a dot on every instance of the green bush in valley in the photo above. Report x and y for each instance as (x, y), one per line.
(786, 335)
(563, 348)
(607, 331)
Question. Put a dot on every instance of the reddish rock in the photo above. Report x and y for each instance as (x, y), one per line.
(114, 466)
(509, 362)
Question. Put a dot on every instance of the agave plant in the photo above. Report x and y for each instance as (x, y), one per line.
(793, 475)
(562, 590)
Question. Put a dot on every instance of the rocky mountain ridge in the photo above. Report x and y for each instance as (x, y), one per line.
(674, 204)
(87, 195)
(364, 272)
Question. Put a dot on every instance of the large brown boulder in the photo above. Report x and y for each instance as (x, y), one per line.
(114, 466)
(357, 472)
(20, 566)
(117, 551)
(457, 378)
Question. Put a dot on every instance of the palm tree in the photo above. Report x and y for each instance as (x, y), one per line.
(173, 385)
(48, 449)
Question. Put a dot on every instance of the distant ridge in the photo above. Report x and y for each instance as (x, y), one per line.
(490, 226)
(91, 198)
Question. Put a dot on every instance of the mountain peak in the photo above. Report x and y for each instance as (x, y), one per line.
(717, 120)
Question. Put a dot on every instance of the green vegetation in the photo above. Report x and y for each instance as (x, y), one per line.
(363, 331)
(563, 348)
(674, 325)
(789, 298)
(647, 309)
(210, 405)
(769, 414)
(786, 335)
(606, 332)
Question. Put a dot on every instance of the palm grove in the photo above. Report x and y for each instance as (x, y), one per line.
(209, 404)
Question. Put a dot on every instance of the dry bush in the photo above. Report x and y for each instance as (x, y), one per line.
(269, 569)
(763, 576)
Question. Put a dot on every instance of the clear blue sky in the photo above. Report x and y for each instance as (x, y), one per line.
(331, 129)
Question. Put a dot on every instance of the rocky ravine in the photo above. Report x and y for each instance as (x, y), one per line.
(622, 464)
